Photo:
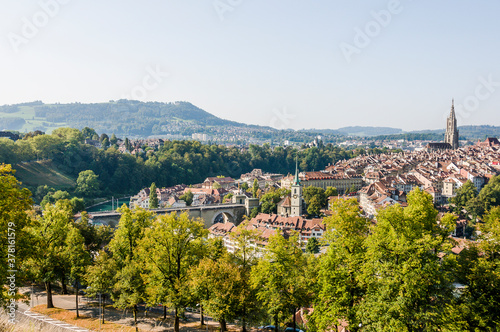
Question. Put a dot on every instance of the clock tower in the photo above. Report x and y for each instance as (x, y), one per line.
(296, 204)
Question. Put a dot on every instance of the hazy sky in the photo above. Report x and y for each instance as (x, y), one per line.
(282, 63)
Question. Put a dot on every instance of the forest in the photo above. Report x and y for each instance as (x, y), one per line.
(400, 273)
(176, 162)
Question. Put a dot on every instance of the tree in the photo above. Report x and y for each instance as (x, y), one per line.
(187, 197)
(153, 197)
(245, 256)
(314, 206)
(53, 197)
(88, 133)
(331, 191)
(100, 276)
(244, 186)
(255, 188)
(312, 246)
(340, 288)
(49, 232)
(78, 204)
(315, 192)
(478, 270)
(113, 140)
(128, 146)
(464, 194)
(105, 143)
(77, 257)
(87, 183)
(221, 281)
(279, 278)
(488, 197)
(269, 201)
(129, 288)
(171, 247)
(14, 202)
(407, 249)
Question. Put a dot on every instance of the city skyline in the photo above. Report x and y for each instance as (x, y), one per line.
(286, 65)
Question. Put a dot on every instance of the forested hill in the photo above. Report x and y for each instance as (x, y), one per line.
(122, 117)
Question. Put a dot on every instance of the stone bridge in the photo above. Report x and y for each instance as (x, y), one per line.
(211, 214)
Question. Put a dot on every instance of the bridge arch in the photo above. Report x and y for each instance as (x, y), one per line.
(223, 217)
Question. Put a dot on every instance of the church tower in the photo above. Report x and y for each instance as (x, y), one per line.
(296, 203)
(451, 135)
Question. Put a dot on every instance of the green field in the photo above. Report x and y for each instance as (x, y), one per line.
(32, 123)
(38, 173)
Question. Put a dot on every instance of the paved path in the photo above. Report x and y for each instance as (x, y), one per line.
(23, 309)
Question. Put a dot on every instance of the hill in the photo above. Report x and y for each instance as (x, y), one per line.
(122, 117)
(36, 173)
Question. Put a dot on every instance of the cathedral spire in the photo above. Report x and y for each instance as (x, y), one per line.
(452, 111)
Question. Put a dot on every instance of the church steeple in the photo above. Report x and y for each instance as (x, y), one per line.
(296, 204)
(296, 180)
(451, 135)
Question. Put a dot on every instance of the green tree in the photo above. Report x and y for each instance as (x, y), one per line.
(187, 197)
(171, 247)
(88, 183)
(312, 246)
(153, 197)
(77, 257)
(105, 143)
(488, 197)
(70, 135)
(478, 271)
(245, 256)
(78, 204)
(403, 255)
(255, 188)
(88, 133)
(279, 278)
(331, 191)
(319, 193)
(314, 206)
(340, 289)
(53, 197)
(49, 233)
(221, 280)
(128, 146)
(14, 202)
(100, 276)
(129, 288)
(464, 194)
(113, 140)
(244, 186)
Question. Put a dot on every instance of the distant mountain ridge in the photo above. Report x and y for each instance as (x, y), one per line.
(122, 117)
(143, 119)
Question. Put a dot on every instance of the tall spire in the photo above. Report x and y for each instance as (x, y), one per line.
(296, 179)
(452, 111)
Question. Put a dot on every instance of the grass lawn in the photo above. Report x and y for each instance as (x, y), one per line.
(42, 172)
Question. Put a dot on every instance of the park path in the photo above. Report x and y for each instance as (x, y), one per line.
(43, 320)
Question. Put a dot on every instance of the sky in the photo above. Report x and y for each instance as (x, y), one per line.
(321, 64)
